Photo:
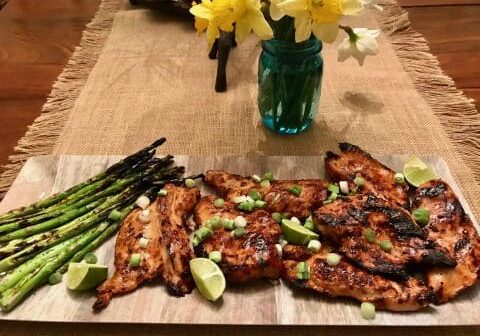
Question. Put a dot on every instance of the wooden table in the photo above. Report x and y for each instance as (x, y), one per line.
(38, 37)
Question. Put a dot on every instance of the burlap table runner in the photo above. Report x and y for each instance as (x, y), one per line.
(139, 75)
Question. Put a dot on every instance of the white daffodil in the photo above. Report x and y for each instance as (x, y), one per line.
(372, 4)
(360, 43)
(319, 17)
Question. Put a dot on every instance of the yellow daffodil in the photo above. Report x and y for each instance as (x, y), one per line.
(248, 17)
(318, 16)
(213, 16)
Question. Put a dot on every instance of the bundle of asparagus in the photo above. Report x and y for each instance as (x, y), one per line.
(41, 239)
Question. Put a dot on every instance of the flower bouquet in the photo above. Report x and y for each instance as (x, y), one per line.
(290, 66)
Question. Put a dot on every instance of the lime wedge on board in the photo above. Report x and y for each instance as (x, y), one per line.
(208, 277)
(83, 276)
(417, 172)
(296, 233)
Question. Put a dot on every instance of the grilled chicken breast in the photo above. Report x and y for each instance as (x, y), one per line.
(344, 222)
(348, 280)
(452, 229)
(277, 195)
(379, 179)
(176, 250)
(245, 258)
(167, 253)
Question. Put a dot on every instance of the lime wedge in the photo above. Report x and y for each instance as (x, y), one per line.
(82, 276)
(208, 277)
(417, 172)
(296, 233)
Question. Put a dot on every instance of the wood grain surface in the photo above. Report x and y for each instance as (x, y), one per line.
(258, 303)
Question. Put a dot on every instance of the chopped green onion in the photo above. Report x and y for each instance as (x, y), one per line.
(314, 245)
(255, 195)
(352, 192)
(302, 267)
(296, 220)
(399, 178)
(215, 223)
(259, 204)
(55, 278)
(90, 258)
(421, 216)
(228, 223)
(303, 271)
(256, 178)
(162, 192)
(265, 184)
(282, 241)
(144, 216)
(268, 176)
(190, 183)
(135, 260)
(285, 215)
(115, 215)
(344, 187)
(202, 234)
(240, 222)
(143, 242)
(219, 203)
(277, 217)
(296, 190)
(142, 202)
(279, 249)
(196, 241)
(369, 235)
(246, 206)
(327, 202)
(385, 245)
(359, 181)
(238, 232)
(240, 199)
(215, 256)
(367, 310)
(333, 196)
(333, 188)
(309, 225)
(333, 259)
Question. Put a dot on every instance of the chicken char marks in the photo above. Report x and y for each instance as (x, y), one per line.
(277, 195)
(343, 223)
(252, 256)
(347, 280)
(379, 179)
(452, 229)
(167, 253)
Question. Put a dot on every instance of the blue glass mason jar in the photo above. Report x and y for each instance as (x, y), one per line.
(289, 84)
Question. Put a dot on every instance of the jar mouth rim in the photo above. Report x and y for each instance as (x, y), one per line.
(310, 46)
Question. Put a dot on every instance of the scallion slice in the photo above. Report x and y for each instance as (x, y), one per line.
(215, 256)
(135, 260)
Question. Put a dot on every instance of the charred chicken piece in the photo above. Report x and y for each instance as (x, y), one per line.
(176, 250)
(378, 236)
(347, 280)
(379, 179)
(278, 196)
(450, 227)
(167, 253)
(244, 258)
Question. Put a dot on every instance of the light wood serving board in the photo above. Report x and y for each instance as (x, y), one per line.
(259, 303)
